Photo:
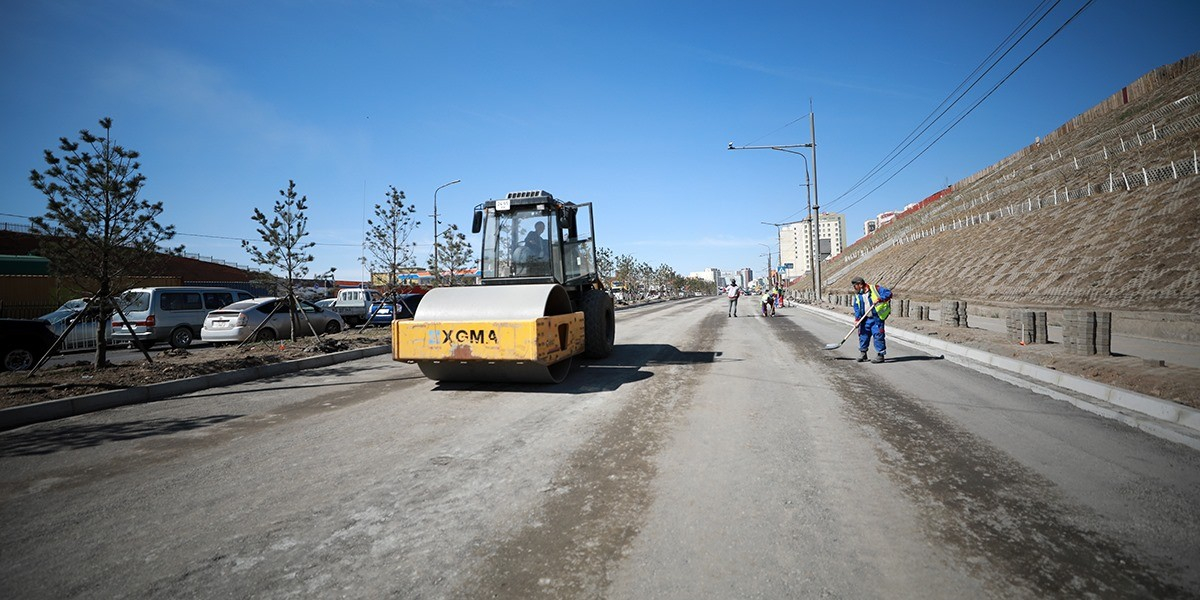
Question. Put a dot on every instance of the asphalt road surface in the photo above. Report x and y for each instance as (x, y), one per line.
(709, 457)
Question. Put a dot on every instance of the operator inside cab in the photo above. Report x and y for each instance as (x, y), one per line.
(532, 254)
(534, 239)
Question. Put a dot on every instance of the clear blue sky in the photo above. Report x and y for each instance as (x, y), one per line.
(627, 104)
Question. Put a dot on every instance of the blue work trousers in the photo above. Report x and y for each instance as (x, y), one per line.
(872, 327)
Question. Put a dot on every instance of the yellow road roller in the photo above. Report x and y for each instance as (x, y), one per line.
(539, 303)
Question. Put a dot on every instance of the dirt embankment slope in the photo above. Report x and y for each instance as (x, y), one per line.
(1104, 213)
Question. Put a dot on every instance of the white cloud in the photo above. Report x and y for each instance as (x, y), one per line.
(205, 95)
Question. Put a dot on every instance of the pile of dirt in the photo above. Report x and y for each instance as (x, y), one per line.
(79, 378)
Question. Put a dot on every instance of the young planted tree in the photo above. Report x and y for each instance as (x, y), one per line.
(454, 254)
(98, 233)
(605, 265)
(387, 238)
(625, 271)
(666, 280)
(284, 249)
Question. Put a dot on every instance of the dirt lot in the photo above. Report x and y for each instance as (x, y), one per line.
(1171, 382)
(80, 378)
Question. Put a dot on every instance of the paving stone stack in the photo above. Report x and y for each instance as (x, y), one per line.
(1021, 326)
(1104, 333)
(1087, 332)
(954, 313)
(923, 313)
(1040, 335)
(1027, 326)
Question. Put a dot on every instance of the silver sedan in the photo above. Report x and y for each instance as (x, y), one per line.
(266, 319)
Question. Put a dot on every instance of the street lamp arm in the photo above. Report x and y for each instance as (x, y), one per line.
(437, 276)
(780, 147)
(446, 184)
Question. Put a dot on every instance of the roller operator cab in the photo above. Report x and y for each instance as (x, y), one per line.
(540, 301)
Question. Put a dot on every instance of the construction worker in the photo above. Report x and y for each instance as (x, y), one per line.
(768, 301)
(733, 292)
(875, 302)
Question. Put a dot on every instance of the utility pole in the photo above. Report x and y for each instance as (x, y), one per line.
(814, 209)
(437, 273)
(816, 224)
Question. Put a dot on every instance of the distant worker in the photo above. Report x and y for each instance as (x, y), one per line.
(875, 302)
(768, 302)
(733, 292)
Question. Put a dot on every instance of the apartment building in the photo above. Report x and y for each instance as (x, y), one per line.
(795, 241)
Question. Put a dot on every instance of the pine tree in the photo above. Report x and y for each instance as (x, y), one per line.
(387, 238)
(98, 233)
(454, 254)
(285, 250)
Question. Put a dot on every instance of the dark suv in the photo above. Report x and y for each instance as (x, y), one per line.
(23, 342)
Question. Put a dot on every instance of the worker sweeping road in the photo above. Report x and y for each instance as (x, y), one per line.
(873, 301)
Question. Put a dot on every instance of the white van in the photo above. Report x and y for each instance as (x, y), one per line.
(170, 314)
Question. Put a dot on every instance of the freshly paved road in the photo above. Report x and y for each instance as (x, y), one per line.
(709, 457)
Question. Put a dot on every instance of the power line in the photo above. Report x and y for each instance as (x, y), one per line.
(976, 105)
(931, 119)
(968, 111)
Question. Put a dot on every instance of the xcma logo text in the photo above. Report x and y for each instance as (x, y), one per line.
(461, 336)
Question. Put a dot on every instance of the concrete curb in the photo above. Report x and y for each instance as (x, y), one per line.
(1162, 418)
(49, 410)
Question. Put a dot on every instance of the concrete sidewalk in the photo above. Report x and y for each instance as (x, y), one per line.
(1161, 418)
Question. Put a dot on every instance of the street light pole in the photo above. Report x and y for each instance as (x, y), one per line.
(437, 273)
(812, 123)
(770, 275)
(814, 231)
(779, 241)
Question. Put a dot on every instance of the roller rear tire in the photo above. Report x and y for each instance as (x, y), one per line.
(599, 324)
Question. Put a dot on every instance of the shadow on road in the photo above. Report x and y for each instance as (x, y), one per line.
(898, 359)
(893, 359)
(626, 365)
(47, 441)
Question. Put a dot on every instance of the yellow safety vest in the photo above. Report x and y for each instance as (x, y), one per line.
(883, 310)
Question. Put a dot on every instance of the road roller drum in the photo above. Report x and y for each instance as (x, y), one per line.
(522, 333)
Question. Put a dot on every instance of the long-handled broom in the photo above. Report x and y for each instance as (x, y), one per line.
(851, 332)
(868, 311)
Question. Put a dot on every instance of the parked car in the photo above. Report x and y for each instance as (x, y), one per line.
(406, 305)
(23, 342)
(326, 303)
(83, 335)
(238, 321)
(170, 314)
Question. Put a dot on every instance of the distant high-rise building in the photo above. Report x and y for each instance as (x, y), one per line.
(713, 275)
(795, 241)
(745, 276)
